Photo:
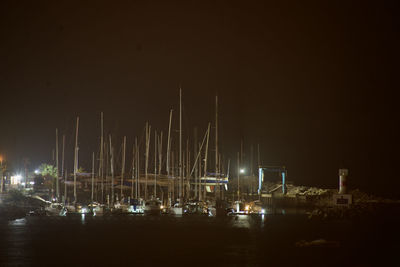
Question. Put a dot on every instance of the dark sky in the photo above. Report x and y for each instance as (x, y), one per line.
(312, 82)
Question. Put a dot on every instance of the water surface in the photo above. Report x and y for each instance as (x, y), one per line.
(195, 241)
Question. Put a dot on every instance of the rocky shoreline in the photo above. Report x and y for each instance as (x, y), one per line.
(15, 205)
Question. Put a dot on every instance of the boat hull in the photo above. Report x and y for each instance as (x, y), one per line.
(176, 211)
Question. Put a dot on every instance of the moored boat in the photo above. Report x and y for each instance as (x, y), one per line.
(136, 206)
(177, 209)
(152, 207)
(196, 207)
(55, 209)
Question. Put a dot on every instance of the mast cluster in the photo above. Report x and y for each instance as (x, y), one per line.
(189, 176)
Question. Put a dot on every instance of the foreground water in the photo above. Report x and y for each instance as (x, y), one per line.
(197, 241)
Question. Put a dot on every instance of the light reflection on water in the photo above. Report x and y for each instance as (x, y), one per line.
(18, 222)
(241, 221)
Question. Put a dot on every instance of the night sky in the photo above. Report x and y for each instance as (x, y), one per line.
(313, 83)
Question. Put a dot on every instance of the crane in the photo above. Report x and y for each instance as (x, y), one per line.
(276, 169)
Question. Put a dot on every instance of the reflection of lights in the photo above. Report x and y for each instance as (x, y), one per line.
(18, 222)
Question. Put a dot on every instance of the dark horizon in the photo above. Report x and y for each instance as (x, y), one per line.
(312, 83)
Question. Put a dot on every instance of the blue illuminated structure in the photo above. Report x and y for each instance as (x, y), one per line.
(281, 170)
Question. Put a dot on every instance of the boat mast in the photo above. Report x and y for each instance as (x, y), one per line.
(62, 156)
(180, 145)
(123, 166)
(155, 164)
(173, 173)
(170, 187)
(57, 168)
(222, 188)
(216, 147)
(65, 187)
(251, 169)
(228, 169)
(195, 163)
(92, 176)
(205, 161)
(112, 171)
(133, 168)
(76, 158)
(197, 159)
(101, 171)
(160, 145)
(238, 176)
(169, 143)
(137, 169)
(199, 173)
(107, 171)
(187, 194)
(148, 133)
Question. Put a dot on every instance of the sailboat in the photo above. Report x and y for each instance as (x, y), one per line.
(152, 207)
(55, 209)
(178, 208)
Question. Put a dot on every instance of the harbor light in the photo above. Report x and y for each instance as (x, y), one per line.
(37, 171)
(16, 179)
(241, 170)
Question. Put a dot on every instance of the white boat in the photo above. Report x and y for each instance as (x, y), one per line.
(136, 206)
(96, 208)
(196, 207)
(152, 207)
(177, 209)
(70, 208)
(55, 209)
(77, 209)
